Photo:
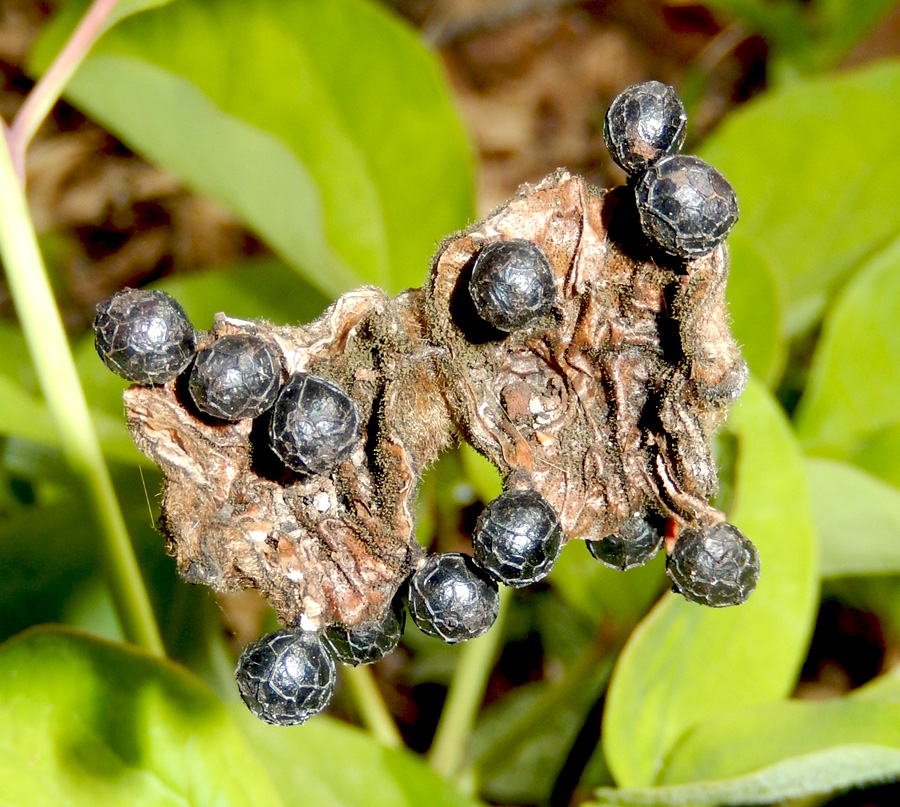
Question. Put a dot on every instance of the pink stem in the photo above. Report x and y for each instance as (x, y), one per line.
(48, 90)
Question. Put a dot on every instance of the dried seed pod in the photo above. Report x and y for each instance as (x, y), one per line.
(237, 376)
(714, 566)
(453, 598)
(636, 542)
(366, 643)
(606, 410)
(144, 336)
(517, 538)
(286, 677)
(315, 424)
(687, 208)
(643, 124)
(512, 284)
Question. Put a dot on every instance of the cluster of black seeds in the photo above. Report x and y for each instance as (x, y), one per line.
(686, 207)
(146, 337)
(313, 425)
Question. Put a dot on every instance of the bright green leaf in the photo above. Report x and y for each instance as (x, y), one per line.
(87, 722)
(752, 739)
(816, 774)
(755, 310)
(857, 517)
(685, 663)
(854, 384)
(325, 124)
(878, 454)
(328, 764)
(811, 223)
(778, 751)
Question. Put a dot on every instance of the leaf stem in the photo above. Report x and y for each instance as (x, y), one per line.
(62, 390)
(470, 677)
(371, 706)
(49, 89)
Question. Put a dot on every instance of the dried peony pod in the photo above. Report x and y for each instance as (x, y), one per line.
(604, 405)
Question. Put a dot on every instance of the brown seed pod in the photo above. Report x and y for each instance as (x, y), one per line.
(605, 407)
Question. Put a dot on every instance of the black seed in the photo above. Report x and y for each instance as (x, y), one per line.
(367, 643)
(637, 542)
(518, 538)
(714, 566)
(644, 123)
(286, 677)
(686, 207)
(144, 336)
(235, 377)
(315, 424)
(512, 284)
(453, 598)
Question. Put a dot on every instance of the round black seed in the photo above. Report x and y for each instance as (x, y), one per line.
(366, 643)
(144, 336)
(686, 207)
(518, 538)
(235, 377)
(714, 566)
(512, 284)
(286, 677)
(453, 598)
(315, 424)
(644, 123)
(637, 542)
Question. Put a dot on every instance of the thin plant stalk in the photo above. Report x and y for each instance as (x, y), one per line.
(451, 739)
(372, 709)
(49, 89)
(52, 357)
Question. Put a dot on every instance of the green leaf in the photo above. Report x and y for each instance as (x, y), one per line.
(878, 454)
(778, 751)
(685, 663)
(601, 593)
(325, 124)
(754, 738)
(854, 384)
(755, 310)
(816, 774)
(533, 728)
(125, 8)
(253, 289)
(857, 517)
(810, 223)
(87, 722)
(332, 765)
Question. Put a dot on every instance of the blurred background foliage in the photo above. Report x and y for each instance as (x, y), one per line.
(260, 158)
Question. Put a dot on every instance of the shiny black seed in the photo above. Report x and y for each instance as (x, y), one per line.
(512, 284)
(637, 542)
(453, 598)
(686, 207)
(315, 424)
(644, 123)
(235, 377)
(286, 677)
(714, 566)
(518, 538)
(144, 336)
(369, 642)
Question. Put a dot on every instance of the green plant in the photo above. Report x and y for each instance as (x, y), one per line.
(277, 111)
